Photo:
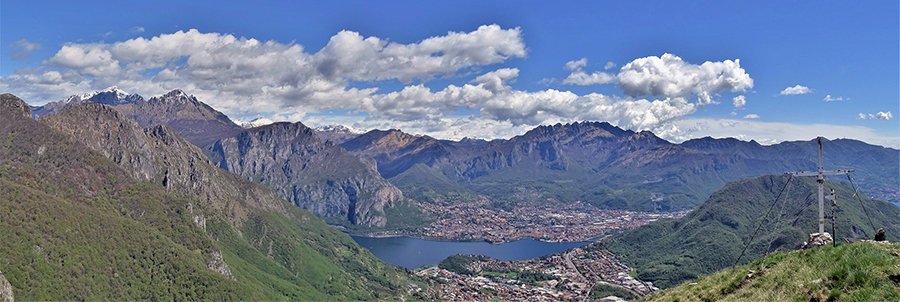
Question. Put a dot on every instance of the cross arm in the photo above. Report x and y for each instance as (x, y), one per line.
(817, 173)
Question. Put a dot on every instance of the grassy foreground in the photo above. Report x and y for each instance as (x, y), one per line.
(861, 271)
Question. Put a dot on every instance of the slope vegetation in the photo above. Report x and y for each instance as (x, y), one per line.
(862, 271)
(712, 236)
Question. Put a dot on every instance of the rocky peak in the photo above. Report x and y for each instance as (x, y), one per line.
(13, 104)
(109, 96)
(176, 96)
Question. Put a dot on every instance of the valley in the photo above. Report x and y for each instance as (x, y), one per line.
(552, 222)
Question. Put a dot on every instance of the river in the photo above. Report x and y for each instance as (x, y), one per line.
(413, 253)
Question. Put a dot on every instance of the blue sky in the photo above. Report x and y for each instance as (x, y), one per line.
(500, 72)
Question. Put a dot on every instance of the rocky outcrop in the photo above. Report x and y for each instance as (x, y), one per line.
(6, 290)
(217, 264)
(159, 155)
(318, 176)
(13, 104)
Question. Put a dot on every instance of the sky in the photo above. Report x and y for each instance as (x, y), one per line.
(764, 71)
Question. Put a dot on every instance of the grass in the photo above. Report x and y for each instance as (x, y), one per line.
(849, 272)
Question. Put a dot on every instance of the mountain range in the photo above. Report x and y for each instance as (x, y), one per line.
(712, 237)
(594, 162)
(96, 207)
(613, 168)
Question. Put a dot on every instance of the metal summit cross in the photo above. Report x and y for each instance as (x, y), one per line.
(820, 175)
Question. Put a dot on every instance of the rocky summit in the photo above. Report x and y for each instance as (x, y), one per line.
(196, 121)
(110, 96)
(315, 175)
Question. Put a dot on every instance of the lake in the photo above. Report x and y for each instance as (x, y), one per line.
(414, 253)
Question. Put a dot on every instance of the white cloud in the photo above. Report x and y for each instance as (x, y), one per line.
(670, 76)
(242, 76)
(796, 90)
(750, 116)
(579, 77)
(574, 65)
(739, 101)
(880, 115)
(609, 65)
(25, 48)
(771, 132)
(828, 98)
(137, 29)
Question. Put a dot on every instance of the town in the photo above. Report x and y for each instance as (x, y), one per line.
(553, 221)
(575, 275)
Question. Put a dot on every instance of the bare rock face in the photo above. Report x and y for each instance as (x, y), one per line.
(217, 264)
(6, 291)
(817, 240)
(317, 176)
(12, 103)
(159, 155)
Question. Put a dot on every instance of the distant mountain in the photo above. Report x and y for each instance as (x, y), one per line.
(257, 122)
(615, 168)
(337, 133)
(197, 122)
(315, 175)
(96, 207)
(712, 236)
(110, 96)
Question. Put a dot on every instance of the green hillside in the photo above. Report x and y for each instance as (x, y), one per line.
(77, 226)
(711, 237)
(423, 183)
(860, 271)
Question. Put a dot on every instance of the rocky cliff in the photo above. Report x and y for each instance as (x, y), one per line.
(318, 176)
(159, 155)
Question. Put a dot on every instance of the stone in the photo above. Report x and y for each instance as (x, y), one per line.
(818, 239)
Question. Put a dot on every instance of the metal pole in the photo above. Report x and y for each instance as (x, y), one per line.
(821, 180)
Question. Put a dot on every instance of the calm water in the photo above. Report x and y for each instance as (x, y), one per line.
(414, 253)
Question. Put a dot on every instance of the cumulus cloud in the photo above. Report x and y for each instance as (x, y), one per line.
(245, 77)
(751, 116)
(796, 90)
(670, 76)
(137, 29)
(739, 101)
(579, 77)
(880, 115)
(828, 98)
(234, 74)
(25, 48)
